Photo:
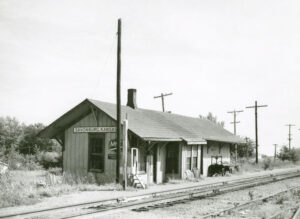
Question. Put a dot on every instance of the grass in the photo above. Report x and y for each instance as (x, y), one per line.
(29, 187)
(264, 164)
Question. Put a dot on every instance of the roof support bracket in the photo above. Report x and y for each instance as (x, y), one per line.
(150, 145)
(59, 141)
(95, 115)
(220, 147)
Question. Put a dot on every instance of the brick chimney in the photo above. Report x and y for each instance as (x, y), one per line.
(131, 98)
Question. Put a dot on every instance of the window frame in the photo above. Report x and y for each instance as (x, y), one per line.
(188, 163)
(192, 155)
(90, 154)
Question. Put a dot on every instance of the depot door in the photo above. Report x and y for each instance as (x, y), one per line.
(172, 158)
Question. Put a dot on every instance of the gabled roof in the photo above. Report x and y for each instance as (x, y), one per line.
(149, 124)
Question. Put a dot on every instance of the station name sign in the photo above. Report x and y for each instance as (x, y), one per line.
(94, 129)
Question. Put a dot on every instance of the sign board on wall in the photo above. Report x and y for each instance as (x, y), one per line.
(94, 129)
(112, 156)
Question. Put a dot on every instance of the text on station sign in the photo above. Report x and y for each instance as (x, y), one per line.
(94, 129)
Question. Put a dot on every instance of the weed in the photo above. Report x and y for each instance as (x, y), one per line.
(251, 195)
(266, 163)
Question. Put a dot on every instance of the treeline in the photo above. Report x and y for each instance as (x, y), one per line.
(292, 154)
(247, 151)
(22, 148)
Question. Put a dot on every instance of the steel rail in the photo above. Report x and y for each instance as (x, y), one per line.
(137, 197)
(249, 203)
(178, 194)
(168, 201)
(297, 213)
(281, 214)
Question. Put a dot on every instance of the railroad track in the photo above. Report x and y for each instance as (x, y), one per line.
(247, 204)
(155, 200)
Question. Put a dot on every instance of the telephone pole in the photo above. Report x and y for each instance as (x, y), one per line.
(162, 96)
(275, 152)
(118, 102)
(234, 118)
(256, 127)
(290, 134)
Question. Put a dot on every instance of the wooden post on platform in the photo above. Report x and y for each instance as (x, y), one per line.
(125, 141)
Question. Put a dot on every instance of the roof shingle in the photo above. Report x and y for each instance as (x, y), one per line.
(154, 125)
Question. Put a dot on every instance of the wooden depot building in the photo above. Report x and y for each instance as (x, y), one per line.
(160, 144)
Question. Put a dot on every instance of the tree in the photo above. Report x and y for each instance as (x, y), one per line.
(246, 150)
(31, 143)
(289, 154)
(15, 136)
(213, 119)
(10, 133)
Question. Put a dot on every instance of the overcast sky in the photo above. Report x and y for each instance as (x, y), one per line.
(214, 55)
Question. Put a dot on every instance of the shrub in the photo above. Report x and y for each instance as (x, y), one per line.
(73, 179)
(55, 171)
(17, 161)
(266, 163)
(50, 159)
(289, 154)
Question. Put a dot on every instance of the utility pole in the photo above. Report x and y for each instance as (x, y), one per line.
(290, 134)
(275, 153)
(163, 100)
(234, 118)
(256, 127)
(247, 140)
(118, 102)
(234, 125)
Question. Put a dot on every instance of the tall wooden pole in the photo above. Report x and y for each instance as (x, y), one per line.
(234, 121)
(118, 103)
(125, 140)
(162, 96)
(163, 102)
(275, 152)
(234, 128)
(235, 112)
(290, 135)
(256, 134)
(256, 128)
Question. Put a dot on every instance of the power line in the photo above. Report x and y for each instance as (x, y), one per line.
(290, 134)
(162, 96)
(107, 58)
(256, 127)
(234, 118)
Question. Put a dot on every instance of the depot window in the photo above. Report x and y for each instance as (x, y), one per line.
(96, 152)
(191, 157)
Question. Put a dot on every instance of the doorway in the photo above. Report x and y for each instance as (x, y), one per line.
(172, 158)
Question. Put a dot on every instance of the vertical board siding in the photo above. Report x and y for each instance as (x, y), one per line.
(187, 151)
(76, 146)
(183, 159)
(213, 150)
(180, 159)
(161, 162)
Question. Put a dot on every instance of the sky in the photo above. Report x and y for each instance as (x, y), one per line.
(213, 55)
